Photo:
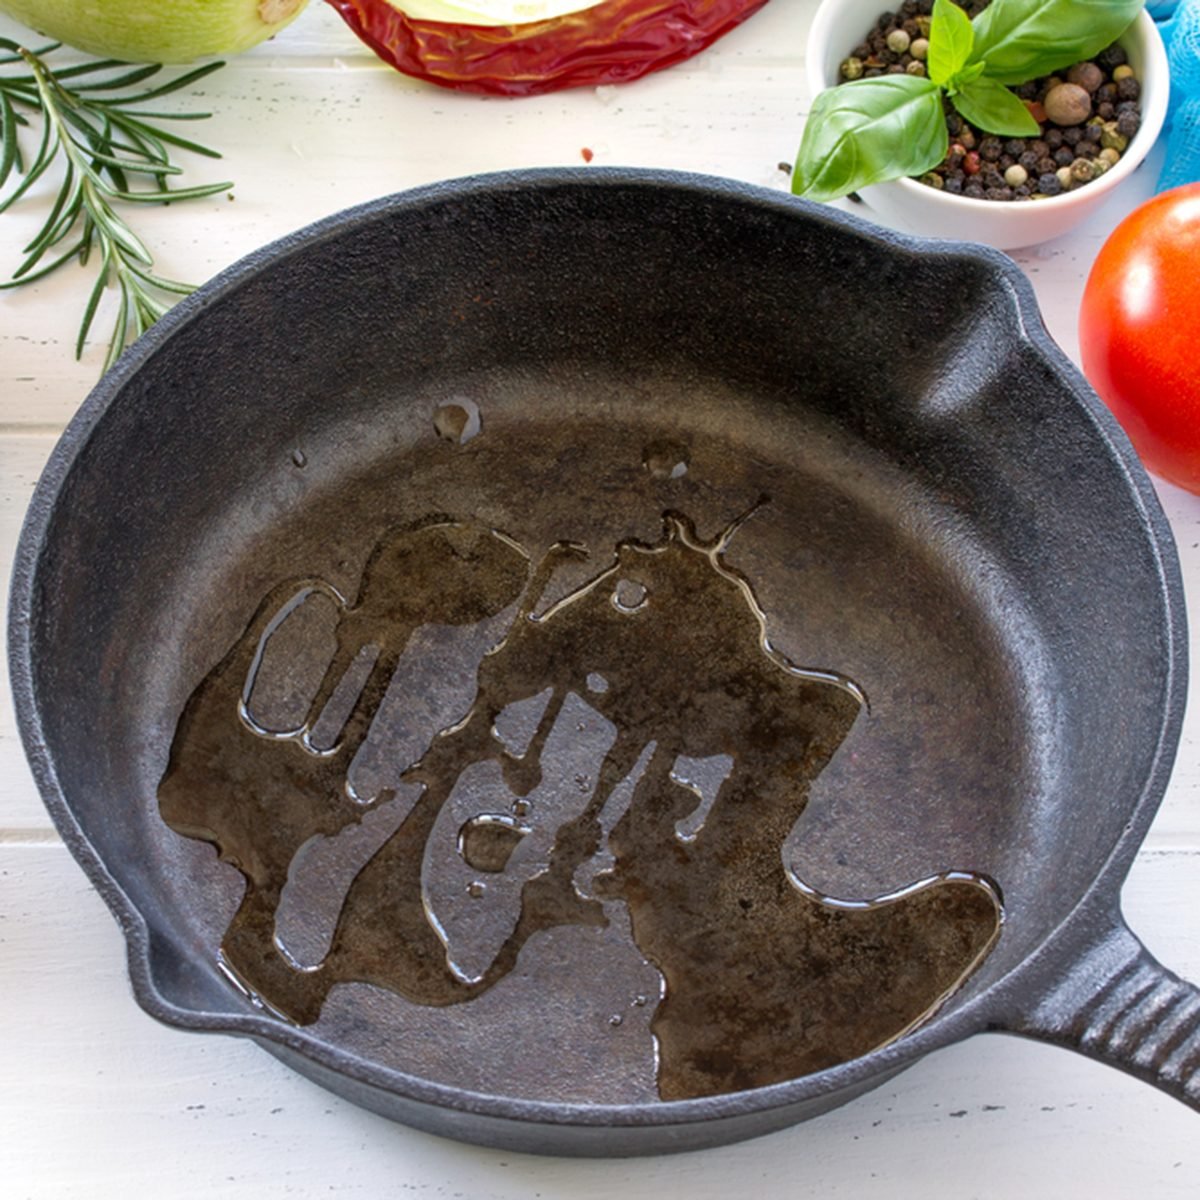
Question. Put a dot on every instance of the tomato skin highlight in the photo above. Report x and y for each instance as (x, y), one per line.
(1139, 332)
(614, 42)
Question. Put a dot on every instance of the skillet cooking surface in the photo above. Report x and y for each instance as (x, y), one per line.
(685, 386)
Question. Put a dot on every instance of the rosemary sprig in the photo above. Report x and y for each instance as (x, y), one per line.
(106, 142)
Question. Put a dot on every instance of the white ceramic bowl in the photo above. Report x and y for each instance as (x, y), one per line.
(840, 25)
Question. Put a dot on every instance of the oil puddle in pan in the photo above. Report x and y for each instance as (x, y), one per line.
(673, 748)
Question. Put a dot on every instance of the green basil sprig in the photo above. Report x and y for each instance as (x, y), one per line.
(951, 40)
(1023, 39)
(990, 105)
(873, 130)
(887, 127)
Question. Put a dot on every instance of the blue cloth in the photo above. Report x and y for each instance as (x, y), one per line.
(1179, 24)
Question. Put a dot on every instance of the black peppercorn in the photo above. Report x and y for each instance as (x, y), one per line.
(1128, 123)
(1093, 133)
(1029, 161)
(1073, 136)
(1048, 184)
(1053, 138)
(1129, 89)
(991, 148)
(1114, 56)
(1065, 156)
(954, 185)
(974, 190)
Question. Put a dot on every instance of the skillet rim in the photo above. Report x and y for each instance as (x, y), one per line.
(997, 1006)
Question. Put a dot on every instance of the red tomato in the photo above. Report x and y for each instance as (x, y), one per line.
(1139, 332)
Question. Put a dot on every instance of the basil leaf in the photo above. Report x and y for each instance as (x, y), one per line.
(870, 131)
(1023, 39)
(951, 37)
(990, 106)
(965, 76)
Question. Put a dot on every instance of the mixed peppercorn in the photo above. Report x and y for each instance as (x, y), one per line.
(1086, 117)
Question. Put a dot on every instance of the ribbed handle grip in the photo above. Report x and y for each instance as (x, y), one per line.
(1120, 1005)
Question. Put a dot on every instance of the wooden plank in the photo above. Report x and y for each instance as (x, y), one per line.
(317, 137)
(22, 457)
(96, 1099)
(305, 135)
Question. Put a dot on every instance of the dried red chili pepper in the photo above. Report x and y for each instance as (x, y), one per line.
(616, 41)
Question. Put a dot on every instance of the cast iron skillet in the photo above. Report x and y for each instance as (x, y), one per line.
(934, 513)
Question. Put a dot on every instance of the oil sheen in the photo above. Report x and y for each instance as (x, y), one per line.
(764, 978)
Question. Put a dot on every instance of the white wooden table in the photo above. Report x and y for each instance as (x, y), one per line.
(96, 1100)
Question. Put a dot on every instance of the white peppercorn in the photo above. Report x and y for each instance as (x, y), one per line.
(1112, 139)
(1081, 170)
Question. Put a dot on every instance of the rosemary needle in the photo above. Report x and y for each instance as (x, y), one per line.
(92, 121)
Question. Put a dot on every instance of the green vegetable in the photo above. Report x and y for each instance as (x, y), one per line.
(991, 106)
(1022, 39)
(104, 138)
(885, 128)
(872, 130)
(161, 31)
(951, 40)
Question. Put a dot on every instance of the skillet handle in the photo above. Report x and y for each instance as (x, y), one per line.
(1117, 1003)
